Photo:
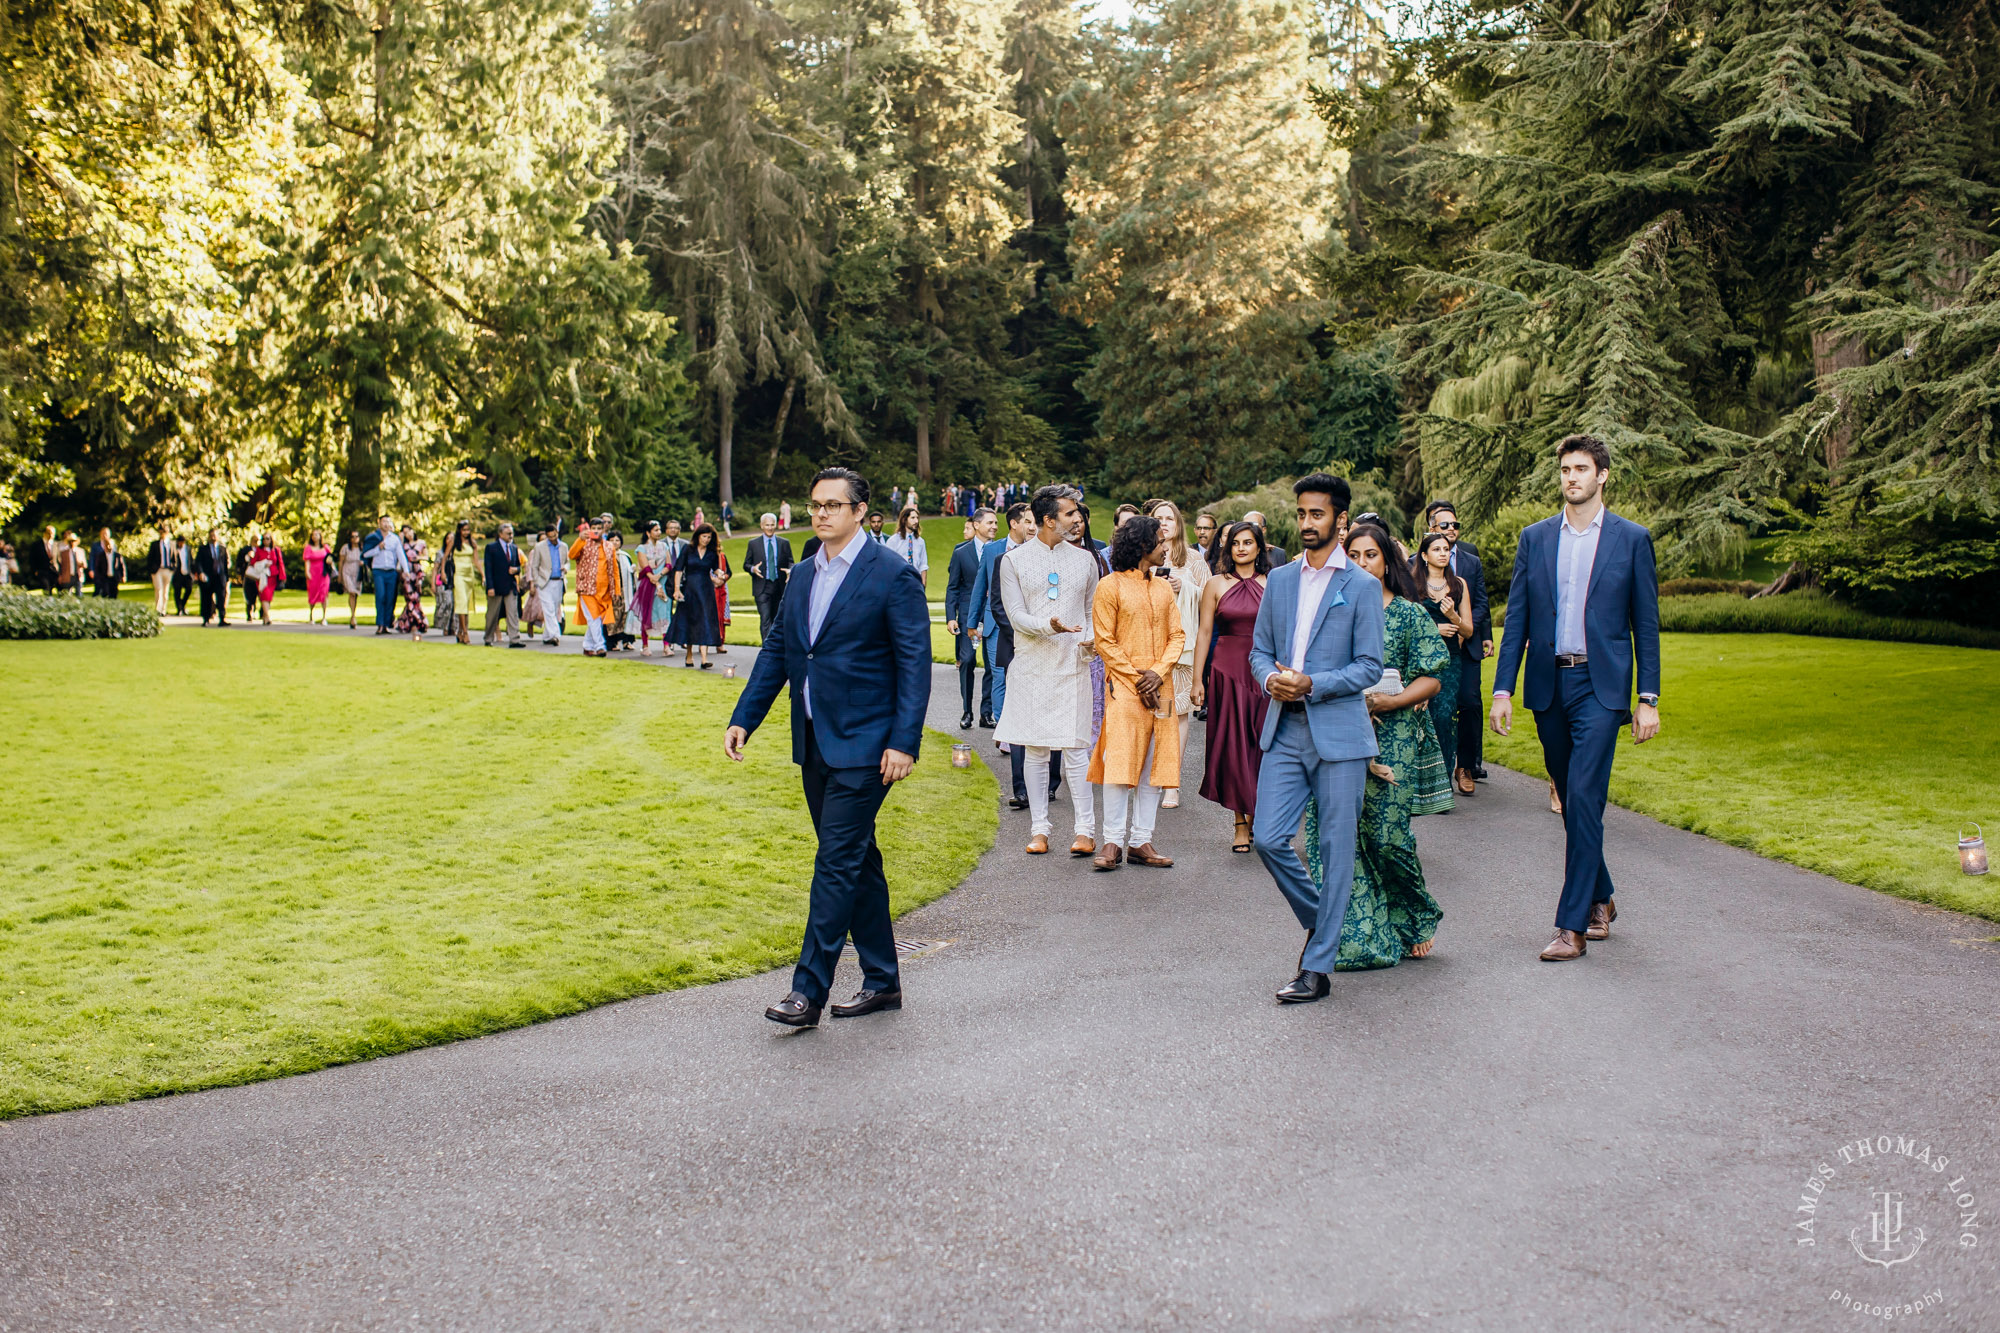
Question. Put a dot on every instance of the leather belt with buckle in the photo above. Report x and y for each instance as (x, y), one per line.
(1294, 706)
(1572, 659)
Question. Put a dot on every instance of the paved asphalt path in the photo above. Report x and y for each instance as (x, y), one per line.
(1092, 1115)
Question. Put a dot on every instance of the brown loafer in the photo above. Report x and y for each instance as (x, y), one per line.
(1107, 858)
(1565, 947)
(1462, 780)
(1144, 855)
(1601, 916)
(1083, 846)
(1038, 844)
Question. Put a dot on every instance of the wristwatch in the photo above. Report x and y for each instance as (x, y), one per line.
(1652, 699)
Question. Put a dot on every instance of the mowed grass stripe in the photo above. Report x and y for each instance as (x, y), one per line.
(260, 854)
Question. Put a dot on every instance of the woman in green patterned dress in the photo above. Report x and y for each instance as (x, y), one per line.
(1392, 916)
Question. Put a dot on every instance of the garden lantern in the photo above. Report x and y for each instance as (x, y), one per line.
(961, 756)
(1972, 852)
(729, 671)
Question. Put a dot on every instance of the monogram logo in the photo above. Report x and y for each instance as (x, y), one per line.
(1885, 1233)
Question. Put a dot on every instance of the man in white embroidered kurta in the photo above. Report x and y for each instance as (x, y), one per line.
(1047, 586)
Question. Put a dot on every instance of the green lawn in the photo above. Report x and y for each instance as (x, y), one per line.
(1857, 759)
(234, 856)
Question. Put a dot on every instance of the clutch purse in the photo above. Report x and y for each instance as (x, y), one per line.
(1391, 683)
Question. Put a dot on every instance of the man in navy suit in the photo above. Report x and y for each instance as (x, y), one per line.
(502, 570)
(857, 720)
(962, 616)
(1583, 608)
(1316, 647)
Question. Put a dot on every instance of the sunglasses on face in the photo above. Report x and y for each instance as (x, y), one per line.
(1442, 524)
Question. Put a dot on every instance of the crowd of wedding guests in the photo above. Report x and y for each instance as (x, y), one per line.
(1098, 657)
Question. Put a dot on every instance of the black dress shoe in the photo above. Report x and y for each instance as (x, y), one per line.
(989, 722)
(965, 722)
(1479, 772)
(794, 1011)
(1017, 803)
(1306, 987)
(868, 1001)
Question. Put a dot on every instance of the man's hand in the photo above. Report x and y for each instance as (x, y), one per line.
(1289, 686)
(1057, 627)
(733, 742)
(491, 593)
(1485, 648)
(1149, 688)
(1503, 714)
(895, 765)
(975, 633)
(951, 627)
(1645, 722)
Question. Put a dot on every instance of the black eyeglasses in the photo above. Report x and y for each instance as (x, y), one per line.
(828, 506)
(1442, 524)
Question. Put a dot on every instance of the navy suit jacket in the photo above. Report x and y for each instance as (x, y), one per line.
(865, 699)
(500, 571)
(959, 583)
(1621, 615)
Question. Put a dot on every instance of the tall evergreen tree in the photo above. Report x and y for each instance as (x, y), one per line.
(1202, 179)
(724, 187)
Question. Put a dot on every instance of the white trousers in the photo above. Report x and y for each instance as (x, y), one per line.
(1076, 773)
(593, 633)
(162, 581)
(552, 595)
(1139, 806)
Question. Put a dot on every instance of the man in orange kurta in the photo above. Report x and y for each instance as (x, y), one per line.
(1138, 632)
(596, 577)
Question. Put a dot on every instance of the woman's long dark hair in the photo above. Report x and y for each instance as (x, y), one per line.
(1225, 542)
(1133, 542)
(1396, 575)
(1421, 568)
(714, 542)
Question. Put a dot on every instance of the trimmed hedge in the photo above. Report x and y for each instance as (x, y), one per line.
(1809, 612)
(1699, 587)
(25, 615)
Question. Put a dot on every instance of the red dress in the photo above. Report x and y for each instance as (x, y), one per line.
(277, 579)
(1236, 702)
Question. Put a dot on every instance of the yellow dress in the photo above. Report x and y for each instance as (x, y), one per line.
(1138, 628)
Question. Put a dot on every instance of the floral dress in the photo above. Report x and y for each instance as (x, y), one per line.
(412, 620)
(1391, 910)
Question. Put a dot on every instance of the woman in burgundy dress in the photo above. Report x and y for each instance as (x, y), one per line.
(1236, 703)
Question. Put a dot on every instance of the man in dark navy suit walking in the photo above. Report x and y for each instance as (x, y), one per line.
(1583, 608)
(853, 641)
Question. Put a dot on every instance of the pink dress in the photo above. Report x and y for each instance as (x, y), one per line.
(319, 581)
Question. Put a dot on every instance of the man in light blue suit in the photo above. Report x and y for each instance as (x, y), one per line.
(1317, 646)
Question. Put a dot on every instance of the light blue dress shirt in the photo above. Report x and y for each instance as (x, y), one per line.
(1576, 553)
(828, 575)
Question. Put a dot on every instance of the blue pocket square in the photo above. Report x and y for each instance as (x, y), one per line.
(1340, 599)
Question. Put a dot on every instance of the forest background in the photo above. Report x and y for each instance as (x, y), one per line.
(294, 263)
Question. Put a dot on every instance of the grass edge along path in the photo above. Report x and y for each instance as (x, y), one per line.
(259, 855)
(1852, 758)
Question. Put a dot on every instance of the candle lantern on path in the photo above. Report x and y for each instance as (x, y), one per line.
(729, 671)
(1972, 851)
(961, 755)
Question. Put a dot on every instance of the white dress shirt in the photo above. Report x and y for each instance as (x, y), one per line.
(828, 575)
(1576, 553)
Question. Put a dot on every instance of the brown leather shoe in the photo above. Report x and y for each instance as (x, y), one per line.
(1565, 947)
(1555, 801)
(1144, 855)
(1083, 846)
(1601, 916)
(1038, 844)
(1462, 779)
(1107, 858)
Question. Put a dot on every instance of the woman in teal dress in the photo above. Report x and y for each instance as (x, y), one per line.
(1450, 607)
(1392, 916)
